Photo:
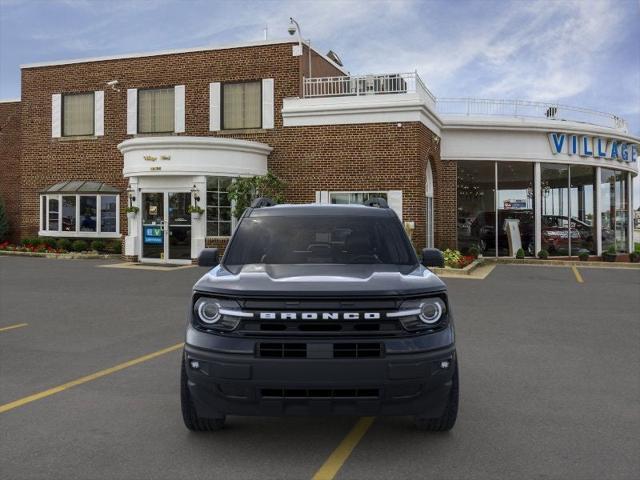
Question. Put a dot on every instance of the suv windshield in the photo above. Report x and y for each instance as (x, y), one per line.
(319, 239)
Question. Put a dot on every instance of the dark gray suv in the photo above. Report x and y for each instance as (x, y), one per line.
(320, 310)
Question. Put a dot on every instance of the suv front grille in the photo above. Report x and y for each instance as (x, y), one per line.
(301, 350)
(320, 393)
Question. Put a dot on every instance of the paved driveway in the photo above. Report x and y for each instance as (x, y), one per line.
(550, 384)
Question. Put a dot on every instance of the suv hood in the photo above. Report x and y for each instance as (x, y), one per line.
(320, 280)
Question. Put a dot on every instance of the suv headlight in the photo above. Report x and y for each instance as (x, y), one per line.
(422, 314)
(431, 310)
(217, 314)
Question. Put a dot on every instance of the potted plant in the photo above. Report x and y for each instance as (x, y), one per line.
(195, 211)
(610, 255)
(131, 212)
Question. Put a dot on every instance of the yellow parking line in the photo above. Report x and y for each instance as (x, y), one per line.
(335, 461)
(94, 376)
(11, 327)
(577, 274)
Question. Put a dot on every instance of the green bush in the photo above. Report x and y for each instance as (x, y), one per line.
(583, 255)
(452, 257)
(543, 254)
(64, 244)
(79, 246)
(47, 242)
(97, 245)
(611, 250)
(245, 189)
(28, 241)
(474, 251)
(520, 253)
(114, 247)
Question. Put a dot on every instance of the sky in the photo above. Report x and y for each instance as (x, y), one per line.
(584, 53)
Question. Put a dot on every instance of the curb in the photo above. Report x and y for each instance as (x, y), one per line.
(564, 263)
(468, 270)
(63, 256)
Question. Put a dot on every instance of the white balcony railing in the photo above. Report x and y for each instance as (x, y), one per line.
(357, 85)
(525, 108)
(402, 83)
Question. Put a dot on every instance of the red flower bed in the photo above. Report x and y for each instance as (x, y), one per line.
(466, 260)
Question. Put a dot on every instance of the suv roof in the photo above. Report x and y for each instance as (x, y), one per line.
(320, 209)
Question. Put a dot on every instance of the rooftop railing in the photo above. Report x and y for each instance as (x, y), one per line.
(357, 85)
(528, 109)
(401, 83)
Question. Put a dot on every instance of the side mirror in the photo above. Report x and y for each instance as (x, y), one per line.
(432, 257)
(208, 257)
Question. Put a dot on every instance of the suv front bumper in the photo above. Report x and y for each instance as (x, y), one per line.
(414, 382)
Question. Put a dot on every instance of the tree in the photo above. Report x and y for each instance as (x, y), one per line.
(245, 189)
(4, 222)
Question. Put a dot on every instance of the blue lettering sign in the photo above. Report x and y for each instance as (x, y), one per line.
(573, 148)
(586, 147)
(634, 153)
(624, 153)
(152, 235)
(557, 142)
(614, 150)
(601, 150)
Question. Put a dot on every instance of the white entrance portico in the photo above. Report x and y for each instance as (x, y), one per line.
(168, 174)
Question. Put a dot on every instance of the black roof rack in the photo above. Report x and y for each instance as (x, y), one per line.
(262, 202)
(376, 202)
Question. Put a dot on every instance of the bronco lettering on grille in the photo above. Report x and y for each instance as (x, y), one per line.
(319, 316)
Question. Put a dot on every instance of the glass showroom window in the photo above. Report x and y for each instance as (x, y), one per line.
(156, 110)
(219, 222)
(555, 208)
(614, 209)
(581, 204)
(80, 215)
(477, 206)
(77, 114)
(346, 198)
(241, 105)
(515, 207)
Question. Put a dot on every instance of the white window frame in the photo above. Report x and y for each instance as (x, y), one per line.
(78, 233)
(355, 192)
(234, 220)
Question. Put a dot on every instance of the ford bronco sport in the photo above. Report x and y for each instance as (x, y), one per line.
(319, 310)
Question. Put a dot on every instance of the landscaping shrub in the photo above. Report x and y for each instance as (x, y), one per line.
(115, 247)
(98, 245)
(474, 251)
(634, 257)
(583, 255)
(79, 246)
(28, 241)
(543, 254)
(452, 258)
(64, 244)
(47, 242)
(520, 253)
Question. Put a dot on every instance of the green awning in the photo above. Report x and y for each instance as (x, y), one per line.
(81, 186)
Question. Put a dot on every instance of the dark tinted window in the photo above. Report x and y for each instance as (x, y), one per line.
(320, 240)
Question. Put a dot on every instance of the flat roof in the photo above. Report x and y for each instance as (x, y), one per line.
(173, 52)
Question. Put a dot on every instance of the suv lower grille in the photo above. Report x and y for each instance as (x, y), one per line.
(320, 393)
(326, 351)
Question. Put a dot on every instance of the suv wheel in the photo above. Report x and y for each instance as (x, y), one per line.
(191, 419)
(445, 422)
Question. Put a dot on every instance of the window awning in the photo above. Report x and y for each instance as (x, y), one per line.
(81, 186)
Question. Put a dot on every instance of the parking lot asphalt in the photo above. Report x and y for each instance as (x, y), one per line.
(549, 367)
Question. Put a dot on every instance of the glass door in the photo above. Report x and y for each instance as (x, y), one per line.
(153, 215)
(179, 242)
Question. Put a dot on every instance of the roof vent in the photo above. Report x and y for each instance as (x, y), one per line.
(376, 202)
(333, 56)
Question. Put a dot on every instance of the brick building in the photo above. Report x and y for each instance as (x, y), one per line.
(165, 130)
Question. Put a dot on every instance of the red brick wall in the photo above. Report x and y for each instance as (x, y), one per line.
(341, 157)
(10, 164)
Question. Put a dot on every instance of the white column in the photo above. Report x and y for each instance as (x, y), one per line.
(598, 213)
(630, 211)
(537, 207)
(132, 246)
(199, 226)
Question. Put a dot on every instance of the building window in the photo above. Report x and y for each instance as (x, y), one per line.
(614, 209)
(75, 215)
(347, 198)
(516, 200)
(219, 220)
(156, 110)
(78, 114)
(477, 206)
(241, 105)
